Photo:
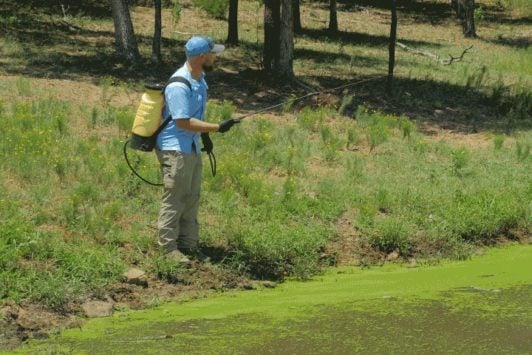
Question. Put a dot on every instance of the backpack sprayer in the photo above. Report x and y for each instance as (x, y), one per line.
(147, 124)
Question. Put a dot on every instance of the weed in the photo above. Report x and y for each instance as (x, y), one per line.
(498, 141)
(23, 86)
(407, 127)
(167, 269)
(124, 119)
(522, 150)
(176, 13)
(288, 105)
(354, 167)
(326, 134)
(347, 101)
(459, 159)
(94, 117)
(479, 14)
(215, 8)
(106, 95)
(311, 119)
(377, 134)
(352, 137)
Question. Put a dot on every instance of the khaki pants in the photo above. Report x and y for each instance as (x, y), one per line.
(178, 217)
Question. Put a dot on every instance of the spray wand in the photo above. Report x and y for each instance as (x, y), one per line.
(269, 108)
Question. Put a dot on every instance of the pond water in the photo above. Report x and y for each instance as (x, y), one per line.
(482, 305)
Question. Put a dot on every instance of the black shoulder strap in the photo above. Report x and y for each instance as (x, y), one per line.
(174, 79)
(178, 79)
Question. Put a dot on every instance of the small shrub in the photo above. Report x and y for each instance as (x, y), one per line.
(215, 8)
(176, 12)
(407, 127)
(377, 134)
(479, 14)
(459, 159)
(498, 141)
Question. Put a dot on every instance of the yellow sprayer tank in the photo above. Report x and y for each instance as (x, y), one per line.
(149, 112)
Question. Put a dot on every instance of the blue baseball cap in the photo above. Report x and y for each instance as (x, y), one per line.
(202, 44)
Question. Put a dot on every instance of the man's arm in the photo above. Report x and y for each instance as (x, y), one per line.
(195, 125)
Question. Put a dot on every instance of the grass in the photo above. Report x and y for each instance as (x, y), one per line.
(272, 207)
(70, 207)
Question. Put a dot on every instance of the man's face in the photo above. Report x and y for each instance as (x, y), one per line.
(208, 62)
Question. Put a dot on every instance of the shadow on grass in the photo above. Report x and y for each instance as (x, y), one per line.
(516, 42)
(438, 104)
(92, 8)
(445, 105)
(356, 38)
(421, 11)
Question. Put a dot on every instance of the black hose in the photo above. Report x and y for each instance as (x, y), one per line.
(212, 161)
(133, 170)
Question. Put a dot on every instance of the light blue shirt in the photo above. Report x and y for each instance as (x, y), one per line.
(183, 104)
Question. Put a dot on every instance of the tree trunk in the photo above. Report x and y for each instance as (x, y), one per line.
(333, 17)
(454, 5)
(465, 11)
(391, 48)
(125, 42)
(272, 20)
(232, 22)
(156, 46)
(297, 16)
(468, 20)
(286, 54)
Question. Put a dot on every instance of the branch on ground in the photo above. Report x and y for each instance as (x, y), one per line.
(434, 56)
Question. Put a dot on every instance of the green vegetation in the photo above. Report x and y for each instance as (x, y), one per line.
(73, 217)
(215, 8)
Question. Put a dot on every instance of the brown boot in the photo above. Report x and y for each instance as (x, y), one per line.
(178, 256)
(196, 254)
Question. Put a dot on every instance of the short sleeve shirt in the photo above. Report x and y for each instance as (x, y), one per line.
(183, 103)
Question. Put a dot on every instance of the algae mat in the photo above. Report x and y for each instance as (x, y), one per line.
(482, 305)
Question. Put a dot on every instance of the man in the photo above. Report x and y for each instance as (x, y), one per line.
(179, 154)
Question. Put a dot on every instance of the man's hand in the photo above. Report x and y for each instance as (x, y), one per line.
(207, 143)
(227, 124)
